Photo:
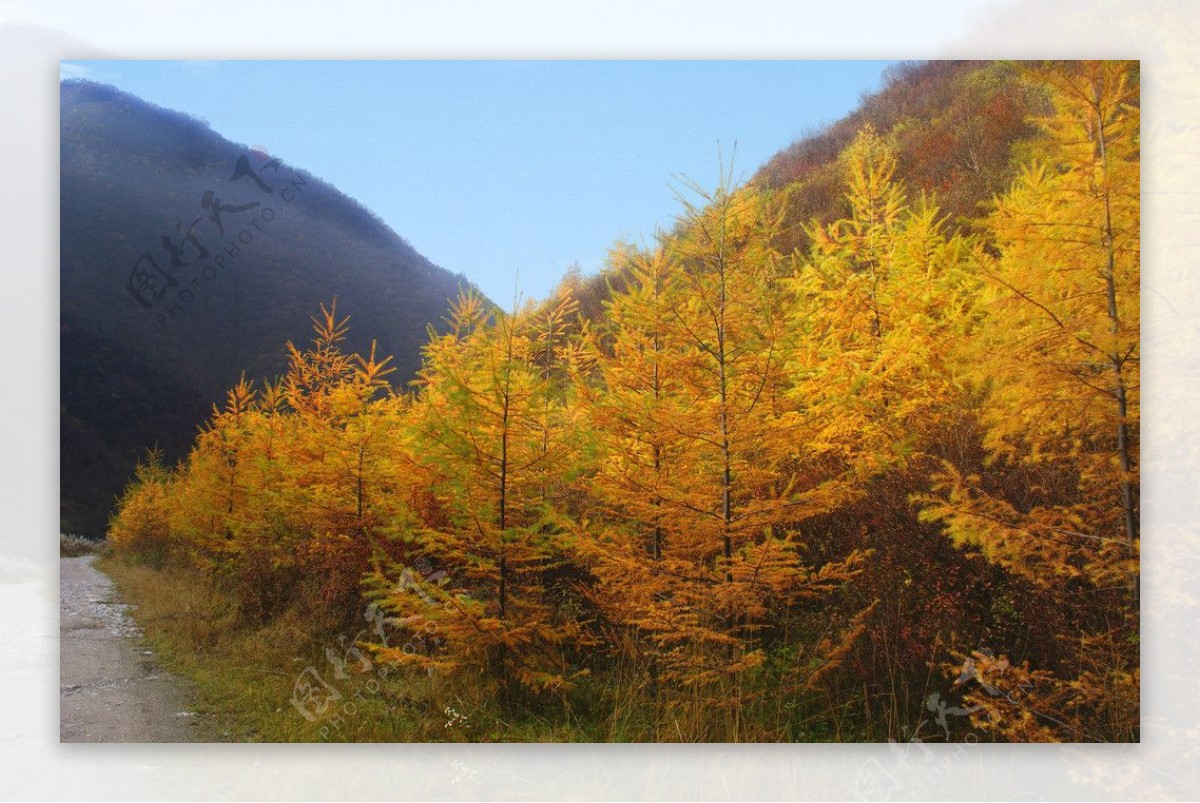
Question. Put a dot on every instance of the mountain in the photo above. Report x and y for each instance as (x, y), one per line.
(959, 128)
(186, 259)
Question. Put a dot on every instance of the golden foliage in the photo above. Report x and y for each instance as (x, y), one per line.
(714, 495)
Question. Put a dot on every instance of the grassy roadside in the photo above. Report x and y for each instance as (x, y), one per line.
(253, 681)
(246, 677)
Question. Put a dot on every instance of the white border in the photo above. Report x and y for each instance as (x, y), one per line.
(1163, 34)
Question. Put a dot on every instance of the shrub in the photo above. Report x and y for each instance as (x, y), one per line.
(72, 546)
(140, 527)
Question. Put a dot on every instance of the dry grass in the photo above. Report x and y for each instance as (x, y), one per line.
(248, 676)
(73, 546)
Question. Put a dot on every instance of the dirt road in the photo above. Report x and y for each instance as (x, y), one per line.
(110, 687)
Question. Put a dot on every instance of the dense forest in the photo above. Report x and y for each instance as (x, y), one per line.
(187, 259)
(842, 456)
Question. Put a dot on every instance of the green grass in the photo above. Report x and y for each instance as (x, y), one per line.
(245, 678)
(245, 675)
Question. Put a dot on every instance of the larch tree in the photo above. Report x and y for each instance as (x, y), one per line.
(489, 437)
(881, 299)
(700, 462)
(217, 492)
(629, 396)
(340, 444)
(1058, 352)
(141, 524)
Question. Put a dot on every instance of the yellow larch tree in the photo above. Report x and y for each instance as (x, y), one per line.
(701, 470)
(881, 300)
(491, 438)
(1056, 502)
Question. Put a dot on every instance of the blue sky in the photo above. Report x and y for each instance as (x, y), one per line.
(510, 168)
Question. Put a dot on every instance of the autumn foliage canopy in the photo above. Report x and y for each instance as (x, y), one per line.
(759, 491)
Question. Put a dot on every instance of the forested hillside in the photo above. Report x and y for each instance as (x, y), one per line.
(829, 461)
(960, 130)
(187, 259)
